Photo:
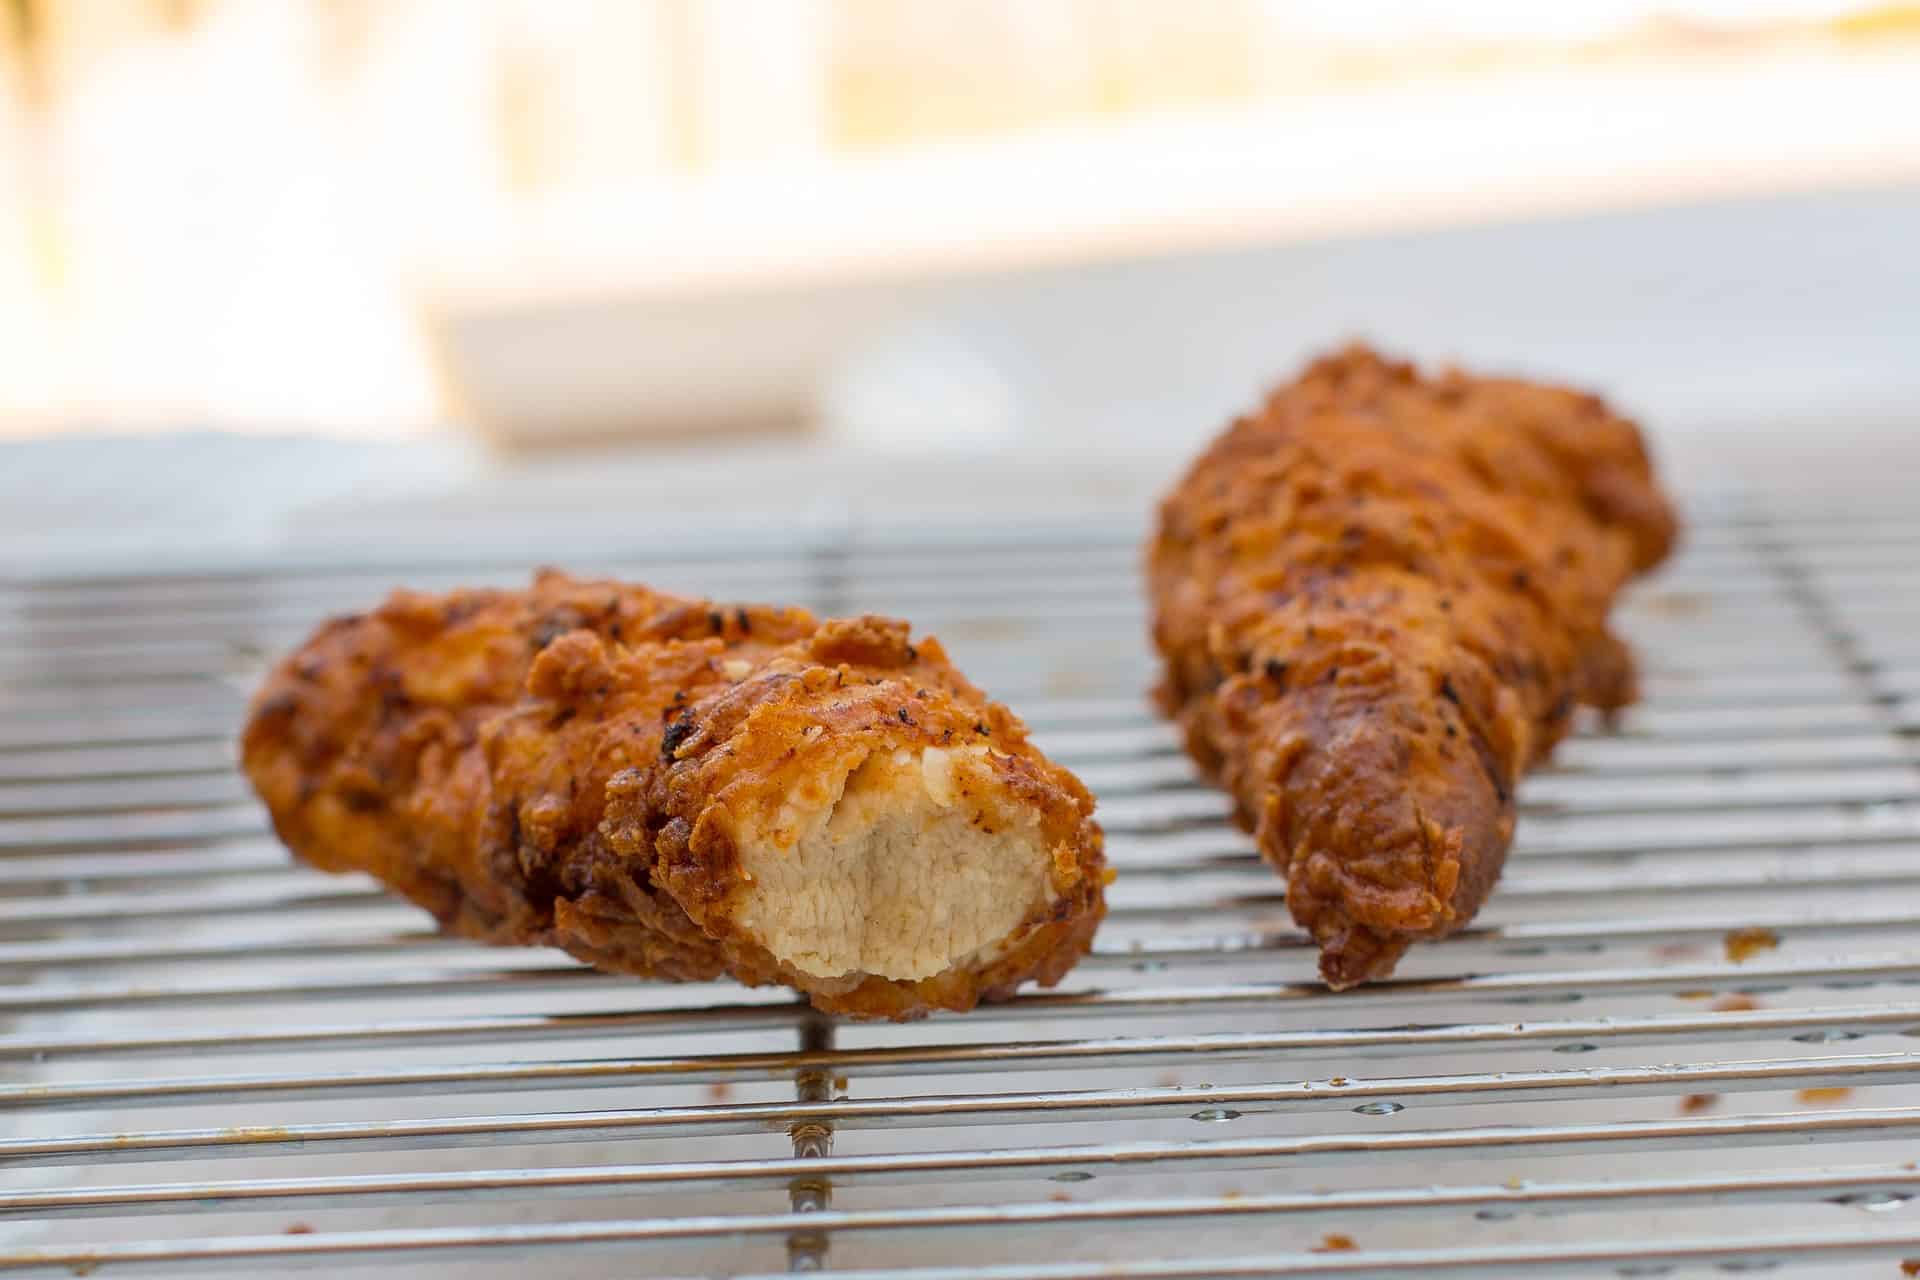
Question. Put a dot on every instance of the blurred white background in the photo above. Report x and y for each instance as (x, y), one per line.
(799, 229)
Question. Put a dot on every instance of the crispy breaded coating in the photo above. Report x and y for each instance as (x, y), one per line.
(1379, 599)
(681, 790)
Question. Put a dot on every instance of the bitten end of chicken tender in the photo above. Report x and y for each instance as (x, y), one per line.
(673, 789)
(1379, 600)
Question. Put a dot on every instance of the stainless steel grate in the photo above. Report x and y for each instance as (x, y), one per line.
(215, 1062)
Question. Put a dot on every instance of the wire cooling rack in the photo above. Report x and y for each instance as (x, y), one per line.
(1684, 1038)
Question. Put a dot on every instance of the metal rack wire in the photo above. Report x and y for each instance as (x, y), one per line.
(1684, 1038)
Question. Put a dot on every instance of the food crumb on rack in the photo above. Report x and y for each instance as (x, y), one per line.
(1735, 1004)
(299, 1229)
(719, 1091)
(1676, 604)
(1335, 1242)
(1744, 944)
(1821, 1097)
(1694, 1103)
(1910, 1267)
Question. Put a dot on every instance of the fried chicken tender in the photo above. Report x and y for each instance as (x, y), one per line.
(1378, 600)
(681, 790)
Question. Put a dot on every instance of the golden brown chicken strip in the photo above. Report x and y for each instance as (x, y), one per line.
(681, 790)
(1379, 599)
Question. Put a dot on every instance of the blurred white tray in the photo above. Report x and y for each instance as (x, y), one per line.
(1045, 284)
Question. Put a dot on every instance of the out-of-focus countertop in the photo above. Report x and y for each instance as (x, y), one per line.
(1764, 343)
(105, 504)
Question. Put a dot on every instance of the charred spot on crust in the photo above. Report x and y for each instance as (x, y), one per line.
(677, 732)
(1489, 762)
(745, 623)
(1499, 781)
(1276, 671)
(716, 621)
(554, 625)
(1447, 690)
(394, 703)
(903, 716)
(363, 801)
(280, 704)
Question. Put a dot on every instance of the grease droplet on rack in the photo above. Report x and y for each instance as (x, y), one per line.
(1874, 1201)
